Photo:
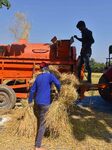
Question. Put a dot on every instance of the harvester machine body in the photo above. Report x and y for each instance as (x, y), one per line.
(19, 61)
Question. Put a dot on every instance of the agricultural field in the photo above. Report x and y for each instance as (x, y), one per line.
(95, 80)
(91, 130)
(95, 77)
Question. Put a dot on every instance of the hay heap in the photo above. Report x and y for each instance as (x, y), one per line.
(5, 111)
(54, 70)
(23, 124)
(57, 118)
(69, 79)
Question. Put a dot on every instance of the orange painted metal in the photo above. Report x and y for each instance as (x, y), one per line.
(22, 95)
(18, 61)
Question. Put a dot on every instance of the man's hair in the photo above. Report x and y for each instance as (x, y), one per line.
(81, 24)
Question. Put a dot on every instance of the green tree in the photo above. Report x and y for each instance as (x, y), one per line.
(5, 3)
(96, 66)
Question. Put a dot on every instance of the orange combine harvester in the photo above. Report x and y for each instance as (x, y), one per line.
(18, 63)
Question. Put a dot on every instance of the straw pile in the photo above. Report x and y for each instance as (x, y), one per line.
(24, 121)
(54, 70)
(5, 111)
(57, 118)
(69, 79)
(23, 124)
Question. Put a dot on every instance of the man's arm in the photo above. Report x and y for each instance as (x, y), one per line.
(32, 92)
(56, 82)
(80, 39)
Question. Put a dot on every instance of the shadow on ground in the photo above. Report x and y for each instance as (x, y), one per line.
(92, 117)
(97, 104)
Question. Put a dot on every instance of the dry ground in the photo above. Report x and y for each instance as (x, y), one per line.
(95, 80)
(92, 131)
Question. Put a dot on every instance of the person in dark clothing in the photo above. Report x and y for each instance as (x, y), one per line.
(86, 51)
(41, 90)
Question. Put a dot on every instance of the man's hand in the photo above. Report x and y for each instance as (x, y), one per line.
(30, 104)
(71, 40)
(56, 96)
(75, 36)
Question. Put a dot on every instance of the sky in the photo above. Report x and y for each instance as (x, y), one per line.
(49, 18)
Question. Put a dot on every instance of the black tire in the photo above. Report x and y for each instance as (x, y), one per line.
(7, 97)
(105, 92)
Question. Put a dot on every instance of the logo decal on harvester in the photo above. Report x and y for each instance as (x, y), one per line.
(40, 50)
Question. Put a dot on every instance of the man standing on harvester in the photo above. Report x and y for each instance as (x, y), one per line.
(41, 90)
(86, 51)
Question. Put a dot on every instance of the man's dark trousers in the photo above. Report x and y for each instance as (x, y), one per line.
(42, 109)
(84, 59)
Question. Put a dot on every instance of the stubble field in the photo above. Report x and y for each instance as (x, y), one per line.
(91, 130)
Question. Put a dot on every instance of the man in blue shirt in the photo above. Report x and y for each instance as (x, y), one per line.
(40, 92)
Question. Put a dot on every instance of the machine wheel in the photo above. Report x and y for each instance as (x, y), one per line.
(106, 93)
(7, 97)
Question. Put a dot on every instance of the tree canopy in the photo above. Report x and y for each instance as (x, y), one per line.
(96, 66)
(5, 3)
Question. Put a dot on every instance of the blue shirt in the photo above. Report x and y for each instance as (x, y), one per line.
(42, 87)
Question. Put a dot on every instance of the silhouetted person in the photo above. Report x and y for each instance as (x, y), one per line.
(86, 51)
